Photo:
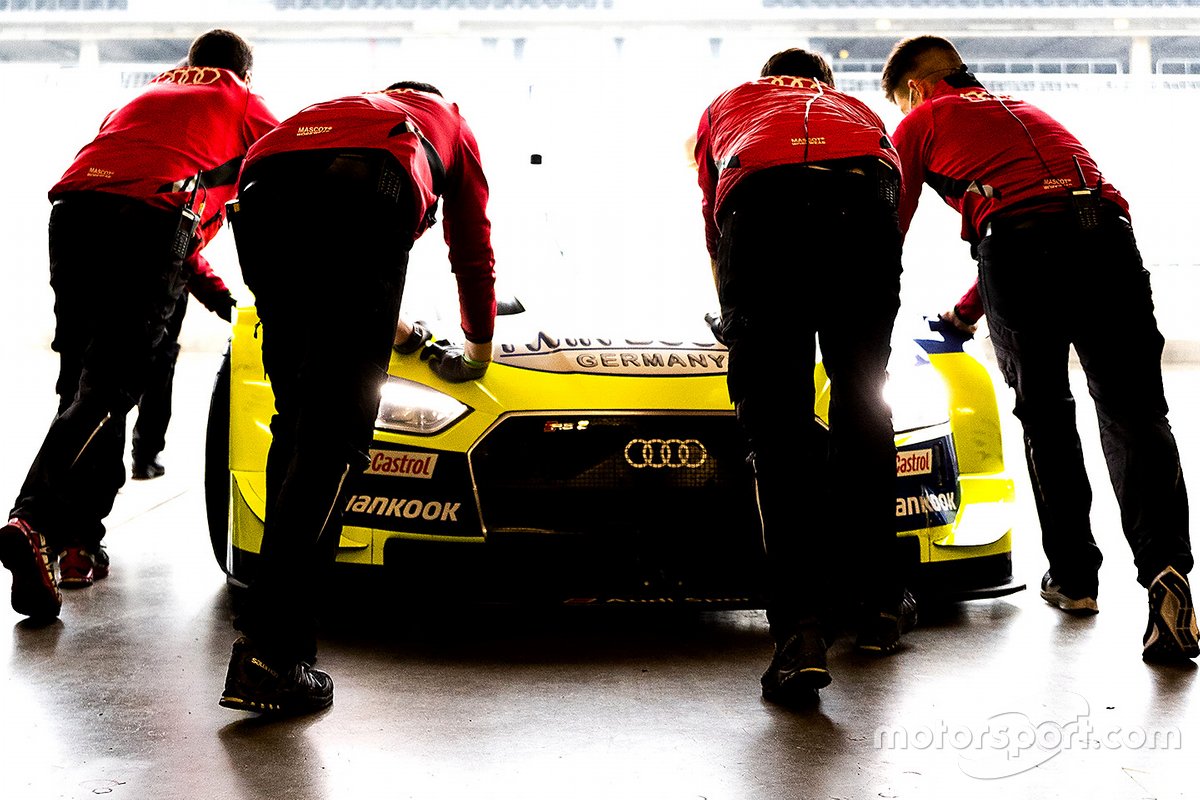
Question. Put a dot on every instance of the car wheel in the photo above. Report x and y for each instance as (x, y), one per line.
(217, 479)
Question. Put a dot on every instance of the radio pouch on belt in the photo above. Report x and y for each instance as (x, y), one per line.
(189, 222)
(889, 185)
(1085, 202)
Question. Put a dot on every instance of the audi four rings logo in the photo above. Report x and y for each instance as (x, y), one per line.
(668, 453)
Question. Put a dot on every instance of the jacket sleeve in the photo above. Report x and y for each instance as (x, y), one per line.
(207, 287)
(910, 139)
(706, 171)
(969, 307)
(468, 234)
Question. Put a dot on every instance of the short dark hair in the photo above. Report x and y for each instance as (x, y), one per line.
(907, 56)
(222, 49)
(416, 86)
(798, 63)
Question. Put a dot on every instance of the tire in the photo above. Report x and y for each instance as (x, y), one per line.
(217, 478)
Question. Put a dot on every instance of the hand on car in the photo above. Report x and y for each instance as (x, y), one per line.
(954, 319)
(225, 306)
(455, 364)
(410, 338)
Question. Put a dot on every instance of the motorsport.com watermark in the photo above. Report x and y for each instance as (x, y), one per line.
(1012, 742)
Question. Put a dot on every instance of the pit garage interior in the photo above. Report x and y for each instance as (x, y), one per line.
(992, 698)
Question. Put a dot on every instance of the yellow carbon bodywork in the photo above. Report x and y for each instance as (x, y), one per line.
(982, 525)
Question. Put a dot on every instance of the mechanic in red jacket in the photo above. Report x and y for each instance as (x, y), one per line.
(800, 187)
(121, 226)
(349, 183)
(1051, 235)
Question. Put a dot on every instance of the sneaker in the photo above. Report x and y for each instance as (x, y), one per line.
(880, 633)
(76, 568)
(254, 685)
(1171, 633)
(79, 567)
(797, 670)
(1079, 603)
(23, 551)
(147, 469)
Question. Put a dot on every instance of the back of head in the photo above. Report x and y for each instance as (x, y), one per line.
(222, 49)
(919, 57)
(415, 86)
(798, 63)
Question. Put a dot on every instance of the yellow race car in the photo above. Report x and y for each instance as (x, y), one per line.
(597, 469)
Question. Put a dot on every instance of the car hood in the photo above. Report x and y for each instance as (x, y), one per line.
(613, 355)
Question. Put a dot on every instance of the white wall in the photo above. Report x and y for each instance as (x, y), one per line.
(607, 231)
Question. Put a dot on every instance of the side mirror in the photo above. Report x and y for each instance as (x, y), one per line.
(507, 306)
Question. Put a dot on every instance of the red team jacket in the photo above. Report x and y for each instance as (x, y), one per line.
(376, 120)
(775, 121)
(188, 121)
(989, 157)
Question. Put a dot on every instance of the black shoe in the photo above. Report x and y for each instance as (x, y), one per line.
(254, 685)
(103, 562)
(1171, 633)
(797, 670)
(145, 469)
(23, 551)
(880, 632)
(1080, 602)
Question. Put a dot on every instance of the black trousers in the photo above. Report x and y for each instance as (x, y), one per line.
(154, 407)
(809, 256)
(1048, 287)
(328, 292)
(115, 282)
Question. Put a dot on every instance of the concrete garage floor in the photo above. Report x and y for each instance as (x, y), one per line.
(1003, 698)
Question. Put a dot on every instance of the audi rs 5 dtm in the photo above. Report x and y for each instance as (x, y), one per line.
(607, 469)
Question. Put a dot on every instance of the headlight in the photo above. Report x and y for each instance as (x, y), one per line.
(918, 398)
(410, 407)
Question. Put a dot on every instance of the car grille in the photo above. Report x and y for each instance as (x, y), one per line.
(643, 505)
(615, 474)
